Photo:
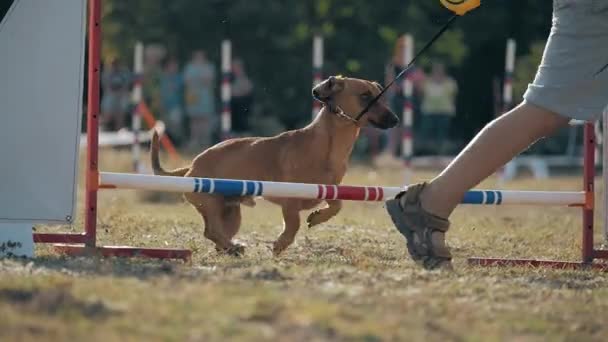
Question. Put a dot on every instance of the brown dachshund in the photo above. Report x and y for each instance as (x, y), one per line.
(318, 154)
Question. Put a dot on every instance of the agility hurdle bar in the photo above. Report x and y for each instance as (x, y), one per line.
(86, 243)
(588, 252)
(235, 188)
(317, 69)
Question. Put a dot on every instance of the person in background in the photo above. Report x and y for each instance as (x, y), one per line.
(199, 78)
(396, 99)
(438, 108)
(116, 82)
(242, 97)
(171, 91)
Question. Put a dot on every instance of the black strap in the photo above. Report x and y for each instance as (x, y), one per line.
(410, 64)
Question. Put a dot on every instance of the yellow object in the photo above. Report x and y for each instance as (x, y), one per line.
(460, 7)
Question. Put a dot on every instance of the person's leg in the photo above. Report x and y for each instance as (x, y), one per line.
(496, 144)
(421, 213)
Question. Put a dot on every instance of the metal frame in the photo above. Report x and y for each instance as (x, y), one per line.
(86, 243)
(588, 252)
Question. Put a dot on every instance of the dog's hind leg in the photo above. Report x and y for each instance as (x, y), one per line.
(211, 209)
(291, 225)
(324, 214)
(231, 217)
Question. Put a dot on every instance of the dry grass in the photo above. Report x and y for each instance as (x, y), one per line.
(350, 279)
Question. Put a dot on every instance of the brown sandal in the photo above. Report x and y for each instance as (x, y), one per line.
(424, 232)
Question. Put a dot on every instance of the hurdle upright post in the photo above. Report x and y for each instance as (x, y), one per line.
(604, 154)
(226, 116)
(92, 168)
(589, 188)
(317, 69)
(407, 142)
(137, 97)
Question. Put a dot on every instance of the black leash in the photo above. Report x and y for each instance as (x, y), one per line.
(410, 64)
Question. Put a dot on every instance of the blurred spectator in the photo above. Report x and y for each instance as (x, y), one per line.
(151, 78)
(396, 99)
(116, 82)
(171, 91)
(438, 108)
(199, 77)
(242, 97)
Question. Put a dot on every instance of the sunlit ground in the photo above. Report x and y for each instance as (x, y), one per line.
(349, 279)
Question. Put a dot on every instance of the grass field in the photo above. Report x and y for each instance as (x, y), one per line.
(349, 279)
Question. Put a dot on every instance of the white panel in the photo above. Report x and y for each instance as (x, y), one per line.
(41, 75)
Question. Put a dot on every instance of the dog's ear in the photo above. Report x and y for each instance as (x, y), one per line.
(326, 89)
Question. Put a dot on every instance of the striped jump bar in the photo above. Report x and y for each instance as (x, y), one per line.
(231, 187)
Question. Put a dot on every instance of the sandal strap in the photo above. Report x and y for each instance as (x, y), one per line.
(411, 204)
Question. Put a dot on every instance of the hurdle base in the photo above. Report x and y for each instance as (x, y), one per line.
(553, 264)
(124, 251)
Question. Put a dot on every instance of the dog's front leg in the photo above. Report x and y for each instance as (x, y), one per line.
(291, 225)
(324, 214)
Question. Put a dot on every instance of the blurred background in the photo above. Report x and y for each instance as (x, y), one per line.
(461, 78)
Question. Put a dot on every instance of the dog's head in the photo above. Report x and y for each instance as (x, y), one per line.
(350, 96)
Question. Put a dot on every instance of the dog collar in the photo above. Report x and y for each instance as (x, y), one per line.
(340, 112)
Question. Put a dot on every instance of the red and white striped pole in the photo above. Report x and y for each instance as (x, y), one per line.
(138, 68)
(507, 101)
(317, 69)
(407, 143)
(226, 116)
(507, 91)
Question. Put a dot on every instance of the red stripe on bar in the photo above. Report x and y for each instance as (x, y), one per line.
(380, 194)
(350, 192)
(319, 191)
(373, 193)
(331, 191)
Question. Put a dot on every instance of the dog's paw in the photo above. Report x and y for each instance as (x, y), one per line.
(314, 219)
(278, 248)
(234, 250)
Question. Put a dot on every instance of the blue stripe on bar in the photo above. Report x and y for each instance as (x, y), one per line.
(229, 187)
(206, 185)
(260, 189)
(490, 197)
(250, 188)
(197, 184)
(473, 197)
(499, 197)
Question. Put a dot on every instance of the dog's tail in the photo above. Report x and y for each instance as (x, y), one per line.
(158, 170)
